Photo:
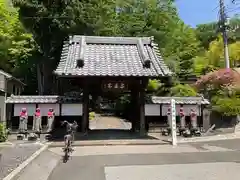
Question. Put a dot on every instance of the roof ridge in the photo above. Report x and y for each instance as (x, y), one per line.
(110, 39)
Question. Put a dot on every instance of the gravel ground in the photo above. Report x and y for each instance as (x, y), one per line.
(12, 157)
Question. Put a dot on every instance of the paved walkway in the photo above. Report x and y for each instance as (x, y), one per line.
(109, 122)
(13, 155)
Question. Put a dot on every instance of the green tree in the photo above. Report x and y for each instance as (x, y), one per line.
(51, 23)
(16, 46)
(207, 33)
(183, 91)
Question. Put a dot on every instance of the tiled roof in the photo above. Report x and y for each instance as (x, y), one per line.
(180, 100)
(41, 99)
(111, 56)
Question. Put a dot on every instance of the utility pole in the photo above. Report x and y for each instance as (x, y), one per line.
(223, 28)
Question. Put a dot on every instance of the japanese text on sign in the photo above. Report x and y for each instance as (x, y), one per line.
(114, 85)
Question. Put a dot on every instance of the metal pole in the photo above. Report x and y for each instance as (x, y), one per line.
(223, 28)
(173, 122)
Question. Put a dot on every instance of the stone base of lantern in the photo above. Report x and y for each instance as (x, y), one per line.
(48, 137)
(32, 137)
(182, 130)
(166, 132)
(20, 136)
(195, 132)
(187, 133)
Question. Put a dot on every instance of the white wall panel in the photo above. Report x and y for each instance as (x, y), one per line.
(152, 110)
(72, 109)
(30, 109)
(45, 108)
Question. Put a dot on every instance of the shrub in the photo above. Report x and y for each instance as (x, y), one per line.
(183, 91)
(153, 85)
(122, 105)
(227, 106)
(91, 115)
(3, 135)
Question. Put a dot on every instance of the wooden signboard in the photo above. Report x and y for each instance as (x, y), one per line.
(114, 85)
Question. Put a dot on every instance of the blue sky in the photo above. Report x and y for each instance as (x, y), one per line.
(195, 12)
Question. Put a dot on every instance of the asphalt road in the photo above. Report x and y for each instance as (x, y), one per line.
(233, 144)
(196, 161)
(140, 167)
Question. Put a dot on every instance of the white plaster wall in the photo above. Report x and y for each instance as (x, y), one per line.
(72, 110)
(31, 108)
(152, 110)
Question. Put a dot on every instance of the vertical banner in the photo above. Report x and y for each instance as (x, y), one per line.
(173, 124)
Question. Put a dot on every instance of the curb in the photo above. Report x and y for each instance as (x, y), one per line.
(210, 138)
(25, 163)
(113, 144)
(6, 144)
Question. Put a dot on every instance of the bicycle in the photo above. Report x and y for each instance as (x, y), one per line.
(69, 138)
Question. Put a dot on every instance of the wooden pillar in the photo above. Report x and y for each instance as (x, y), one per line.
(85, 116)
(134, 108)
(60, 86)
(206, 119)
(142, 108)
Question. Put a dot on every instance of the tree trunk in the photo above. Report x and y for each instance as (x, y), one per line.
(39, 77)
(47, 78)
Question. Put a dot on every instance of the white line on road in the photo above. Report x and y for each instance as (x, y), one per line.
(193, 171)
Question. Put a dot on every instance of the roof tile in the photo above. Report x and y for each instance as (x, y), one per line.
(180, 100)
(106, 56)
(42, 99)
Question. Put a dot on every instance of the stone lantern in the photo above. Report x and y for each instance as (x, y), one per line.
(167, 131)
(23, 121)
(193, 117)
(51, 117)
(37, 121)
(182, 119)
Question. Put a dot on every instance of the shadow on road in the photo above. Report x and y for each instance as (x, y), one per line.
(105, 134)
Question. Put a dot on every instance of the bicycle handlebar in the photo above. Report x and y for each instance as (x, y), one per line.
(66, 122)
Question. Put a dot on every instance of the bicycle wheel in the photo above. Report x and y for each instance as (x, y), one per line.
(66, 151)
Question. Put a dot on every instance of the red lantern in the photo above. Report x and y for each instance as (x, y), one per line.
(50, 112)
(192, 113)
(38, 113)
(23, 112)
(169, 111)
(181, 112)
